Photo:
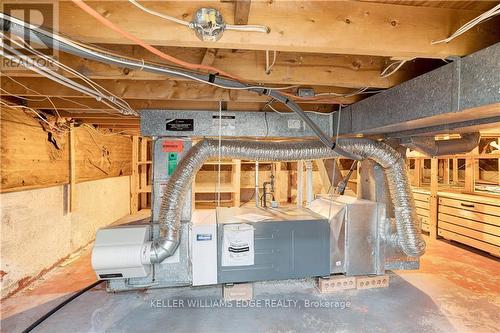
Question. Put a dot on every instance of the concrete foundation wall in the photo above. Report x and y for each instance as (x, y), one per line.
(37, 230)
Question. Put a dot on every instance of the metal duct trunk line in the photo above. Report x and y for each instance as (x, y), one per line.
(408, 233)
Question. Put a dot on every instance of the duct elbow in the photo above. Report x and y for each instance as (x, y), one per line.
(161, 249)
(432, 148)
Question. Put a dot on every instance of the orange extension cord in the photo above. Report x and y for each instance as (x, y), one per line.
(148, 47)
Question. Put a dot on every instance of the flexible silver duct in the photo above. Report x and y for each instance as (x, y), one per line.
(408, 233)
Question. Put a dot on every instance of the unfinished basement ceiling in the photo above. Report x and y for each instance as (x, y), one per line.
(338, 49)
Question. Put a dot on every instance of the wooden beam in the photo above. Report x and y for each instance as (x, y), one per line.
(101, 156)
(85, 106)
(446, 171)
(108, 121)
(455, 170)
(161, 90)
(72, 168)
(134, 196)
(433, 199)
(29, 159)
(418, 172)
(209, 57)
(143, 172)
(290, 68)
(307, 26)
(241, 11)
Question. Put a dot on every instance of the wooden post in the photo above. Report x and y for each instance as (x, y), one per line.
(469, 174)
(455, 170)
(446, 171)
(236, 182)
(433, 200)
(323, 174)
(72, 168)
(134, 200)
(143, 172)
(418, 172)
(357, 177)
(278, 182)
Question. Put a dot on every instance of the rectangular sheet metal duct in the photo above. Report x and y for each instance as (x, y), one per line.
(464, 93)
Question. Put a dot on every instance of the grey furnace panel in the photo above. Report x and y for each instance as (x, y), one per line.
(295, 243)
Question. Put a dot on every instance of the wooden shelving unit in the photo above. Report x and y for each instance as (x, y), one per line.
(206, 184)
(141, 178)
(451, 200)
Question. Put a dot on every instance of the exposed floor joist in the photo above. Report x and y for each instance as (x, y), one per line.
(290, 68)
(161, 90)
(90, 105)
(307, 26)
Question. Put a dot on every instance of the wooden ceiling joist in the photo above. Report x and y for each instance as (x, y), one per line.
(241, 11)
(290, 68)
(88, 107)
(155, 90)
(341, 27)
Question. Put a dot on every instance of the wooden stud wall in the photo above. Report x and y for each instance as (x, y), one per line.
(34, 157)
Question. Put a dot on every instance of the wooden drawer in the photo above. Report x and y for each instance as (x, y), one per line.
(471, 224)
(471, 206)
(423, 212)
(422, 204)
(466, 214)
(421, 197)
(470, 220)
(494, 250)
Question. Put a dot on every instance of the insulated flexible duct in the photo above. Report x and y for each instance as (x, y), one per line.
(408, 234)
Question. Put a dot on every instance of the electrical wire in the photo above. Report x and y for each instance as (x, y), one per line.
(359, 91)
(61, 305)
(269, 66)
(155, 13)
(21, 59)
(61, 80)
(116, 59)
(469, 25)
(392, 68)
(122, 104)
(268, 105)
(89, 10)
(38, 93)
(19, 27)
(245, 27)
(39, 116)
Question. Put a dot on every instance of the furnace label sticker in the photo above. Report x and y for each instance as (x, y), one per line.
(179, 125)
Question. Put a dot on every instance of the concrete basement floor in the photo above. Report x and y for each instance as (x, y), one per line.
(455, 290)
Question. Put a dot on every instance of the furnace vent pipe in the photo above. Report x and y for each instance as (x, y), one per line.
(431, 147)
(408, 234)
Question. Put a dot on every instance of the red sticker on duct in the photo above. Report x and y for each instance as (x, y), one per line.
(173, 146)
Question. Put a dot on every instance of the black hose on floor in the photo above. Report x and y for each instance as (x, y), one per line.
(66, 301)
